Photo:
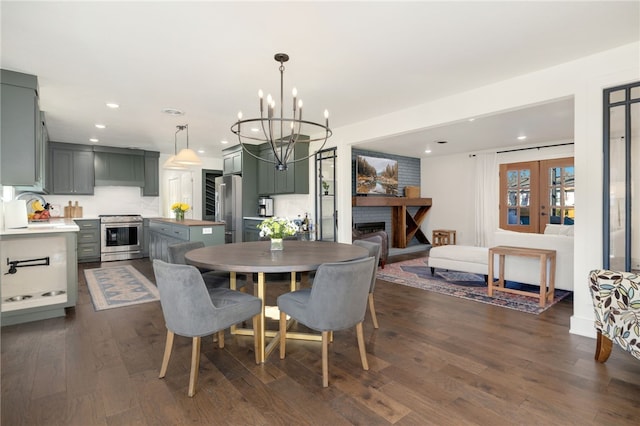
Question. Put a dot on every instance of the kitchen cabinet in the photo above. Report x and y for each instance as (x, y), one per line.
(249, 172)
(164, 232)
(151, 186)
(46, 288)
(250, 229)
(232, 160)
(294, 180)
(88, 240)
(71, 169)
(118, 166)
(23, 151)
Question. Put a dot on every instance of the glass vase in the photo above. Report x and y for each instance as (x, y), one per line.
(276, 244)
(180, 215)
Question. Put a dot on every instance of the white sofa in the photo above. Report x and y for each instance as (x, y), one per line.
(527, 270)
(519, 269)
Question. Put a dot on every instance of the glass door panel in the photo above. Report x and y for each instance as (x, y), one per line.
(517, 199)
(326, 225)
(557, 204)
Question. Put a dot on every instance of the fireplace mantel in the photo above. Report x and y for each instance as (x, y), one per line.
(404, 226)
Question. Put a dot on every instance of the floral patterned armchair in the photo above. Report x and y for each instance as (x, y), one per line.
(616, 302)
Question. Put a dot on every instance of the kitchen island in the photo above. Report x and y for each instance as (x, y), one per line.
(40, 275)
(164, 232)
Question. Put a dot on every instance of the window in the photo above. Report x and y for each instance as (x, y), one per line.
(535, 193)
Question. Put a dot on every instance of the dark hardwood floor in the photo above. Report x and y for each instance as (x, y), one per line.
(435, 360)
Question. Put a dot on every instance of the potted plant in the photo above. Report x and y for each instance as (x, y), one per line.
(277, 228)
(325, 186)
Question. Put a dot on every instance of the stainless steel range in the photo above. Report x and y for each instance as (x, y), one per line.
(121, 237)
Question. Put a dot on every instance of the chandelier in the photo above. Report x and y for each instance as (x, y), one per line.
(186, 157)
(280, 133)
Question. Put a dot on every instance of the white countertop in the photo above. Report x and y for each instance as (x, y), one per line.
(52, 226)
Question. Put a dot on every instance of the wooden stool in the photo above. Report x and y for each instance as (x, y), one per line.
(443, 237)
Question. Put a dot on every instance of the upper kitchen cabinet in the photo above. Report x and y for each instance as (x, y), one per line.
(232, 160)
(24, 139)
(118, 166)
(71, 168)
(151, 186)
(236, 162)
(294, 180)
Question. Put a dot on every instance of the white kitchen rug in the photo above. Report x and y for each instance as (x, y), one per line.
(118, 286)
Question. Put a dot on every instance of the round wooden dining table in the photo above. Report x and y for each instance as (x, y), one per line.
(257, 256)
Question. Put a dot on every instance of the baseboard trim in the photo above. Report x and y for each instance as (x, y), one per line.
(582, 326)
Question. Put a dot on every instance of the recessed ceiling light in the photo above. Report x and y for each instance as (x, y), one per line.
(172, 111)
(101, 126)
(521, 138)
(472, 119)
(255, 129)
(224, 142)
(113, 105)
(93, 140)
(427, 151)
(201, 151)
(441, 142)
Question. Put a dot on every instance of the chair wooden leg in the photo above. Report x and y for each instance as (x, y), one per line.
(372, 309)
(325, 358)
(363, 351)
(221, 339)
(256, 338)
(195, 365)
(283, 333)
(168, 347)
(603, 348)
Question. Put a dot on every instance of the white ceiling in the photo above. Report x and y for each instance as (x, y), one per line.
(357, 59)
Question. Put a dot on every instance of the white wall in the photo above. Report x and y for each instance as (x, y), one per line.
(450, 182)
(193, 176)
(583, 79)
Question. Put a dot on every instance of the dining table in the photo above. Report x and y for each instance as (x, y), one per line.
(257, 257)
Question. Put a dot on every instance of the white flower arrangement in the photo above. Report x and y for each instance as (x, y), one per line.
(277, 227)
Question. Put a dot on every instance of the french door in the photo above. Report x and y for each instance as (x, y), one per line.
(535, 193)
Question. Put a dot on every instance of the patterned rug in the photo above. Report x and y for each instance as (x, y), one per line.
(416, 273)
(117, 286)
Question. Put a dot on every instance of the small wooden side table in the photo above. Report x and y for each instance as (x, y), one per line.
(443, 237)
(547, 284)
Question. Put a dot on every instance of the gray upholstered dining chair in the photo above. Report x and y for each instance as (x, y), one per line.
(337, 300)
(192, 310)
(212, 279)
(374, 245)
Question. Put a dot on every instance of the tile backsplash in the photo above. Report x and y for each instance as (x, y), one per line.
(110, 200)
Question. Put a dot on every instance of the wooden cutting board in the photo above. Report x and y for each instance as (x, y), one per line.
(77, 210)
(68, 210)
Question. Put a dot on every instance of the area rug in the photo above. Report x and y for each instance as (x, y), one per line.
(118, 286)
(416, 273)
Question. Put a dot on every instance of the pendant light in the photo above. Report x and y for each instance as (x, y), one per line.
(170, 164)
(187, 157)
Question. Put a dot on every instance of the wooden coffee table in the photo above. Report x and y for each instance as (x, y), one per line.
(547, 283)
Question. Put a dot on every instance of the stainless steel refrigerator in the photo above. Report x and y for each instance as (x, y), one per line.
(229, 206)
